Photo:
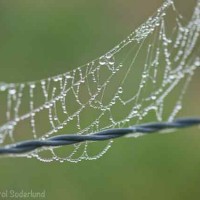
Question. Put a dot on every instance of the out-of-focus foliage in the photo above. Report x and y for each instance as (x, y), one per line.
(43, 38)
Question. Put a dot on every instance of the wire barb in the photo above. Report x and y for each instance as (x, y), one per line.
(62, 140)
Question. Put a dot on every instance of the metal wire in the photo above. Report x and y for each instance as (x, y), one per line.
(61, 140)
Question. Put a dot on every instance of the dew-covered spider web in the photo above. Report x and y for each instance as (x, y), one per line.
(144, 77)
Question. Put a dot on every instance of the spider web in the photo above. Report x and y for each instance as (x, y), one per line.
(144, 77)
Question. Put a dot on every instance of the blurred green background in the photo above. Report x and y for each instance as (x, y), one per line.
(41, 38)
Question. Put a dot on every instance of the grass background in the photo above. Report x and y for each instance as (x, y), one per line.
(43, 38)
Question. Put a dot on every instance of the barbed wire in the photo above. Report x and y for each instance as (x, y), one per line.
(62, 140)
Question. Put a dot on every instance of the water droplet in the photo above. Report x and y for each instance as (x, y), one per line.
(172, 77)
(111, 62)
(134, 112)
(141, 86)
(32, 86)
(108, 55)
(43, 82)
(68, 76)
(47, 105)
(12, 91)
(120, 90)
(197, 63)
(144, 75)
(102, 60)
(55, 79)
(3, 87)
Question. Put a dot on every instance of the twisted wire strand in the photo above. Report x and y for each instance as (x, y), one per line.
(62, 140)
